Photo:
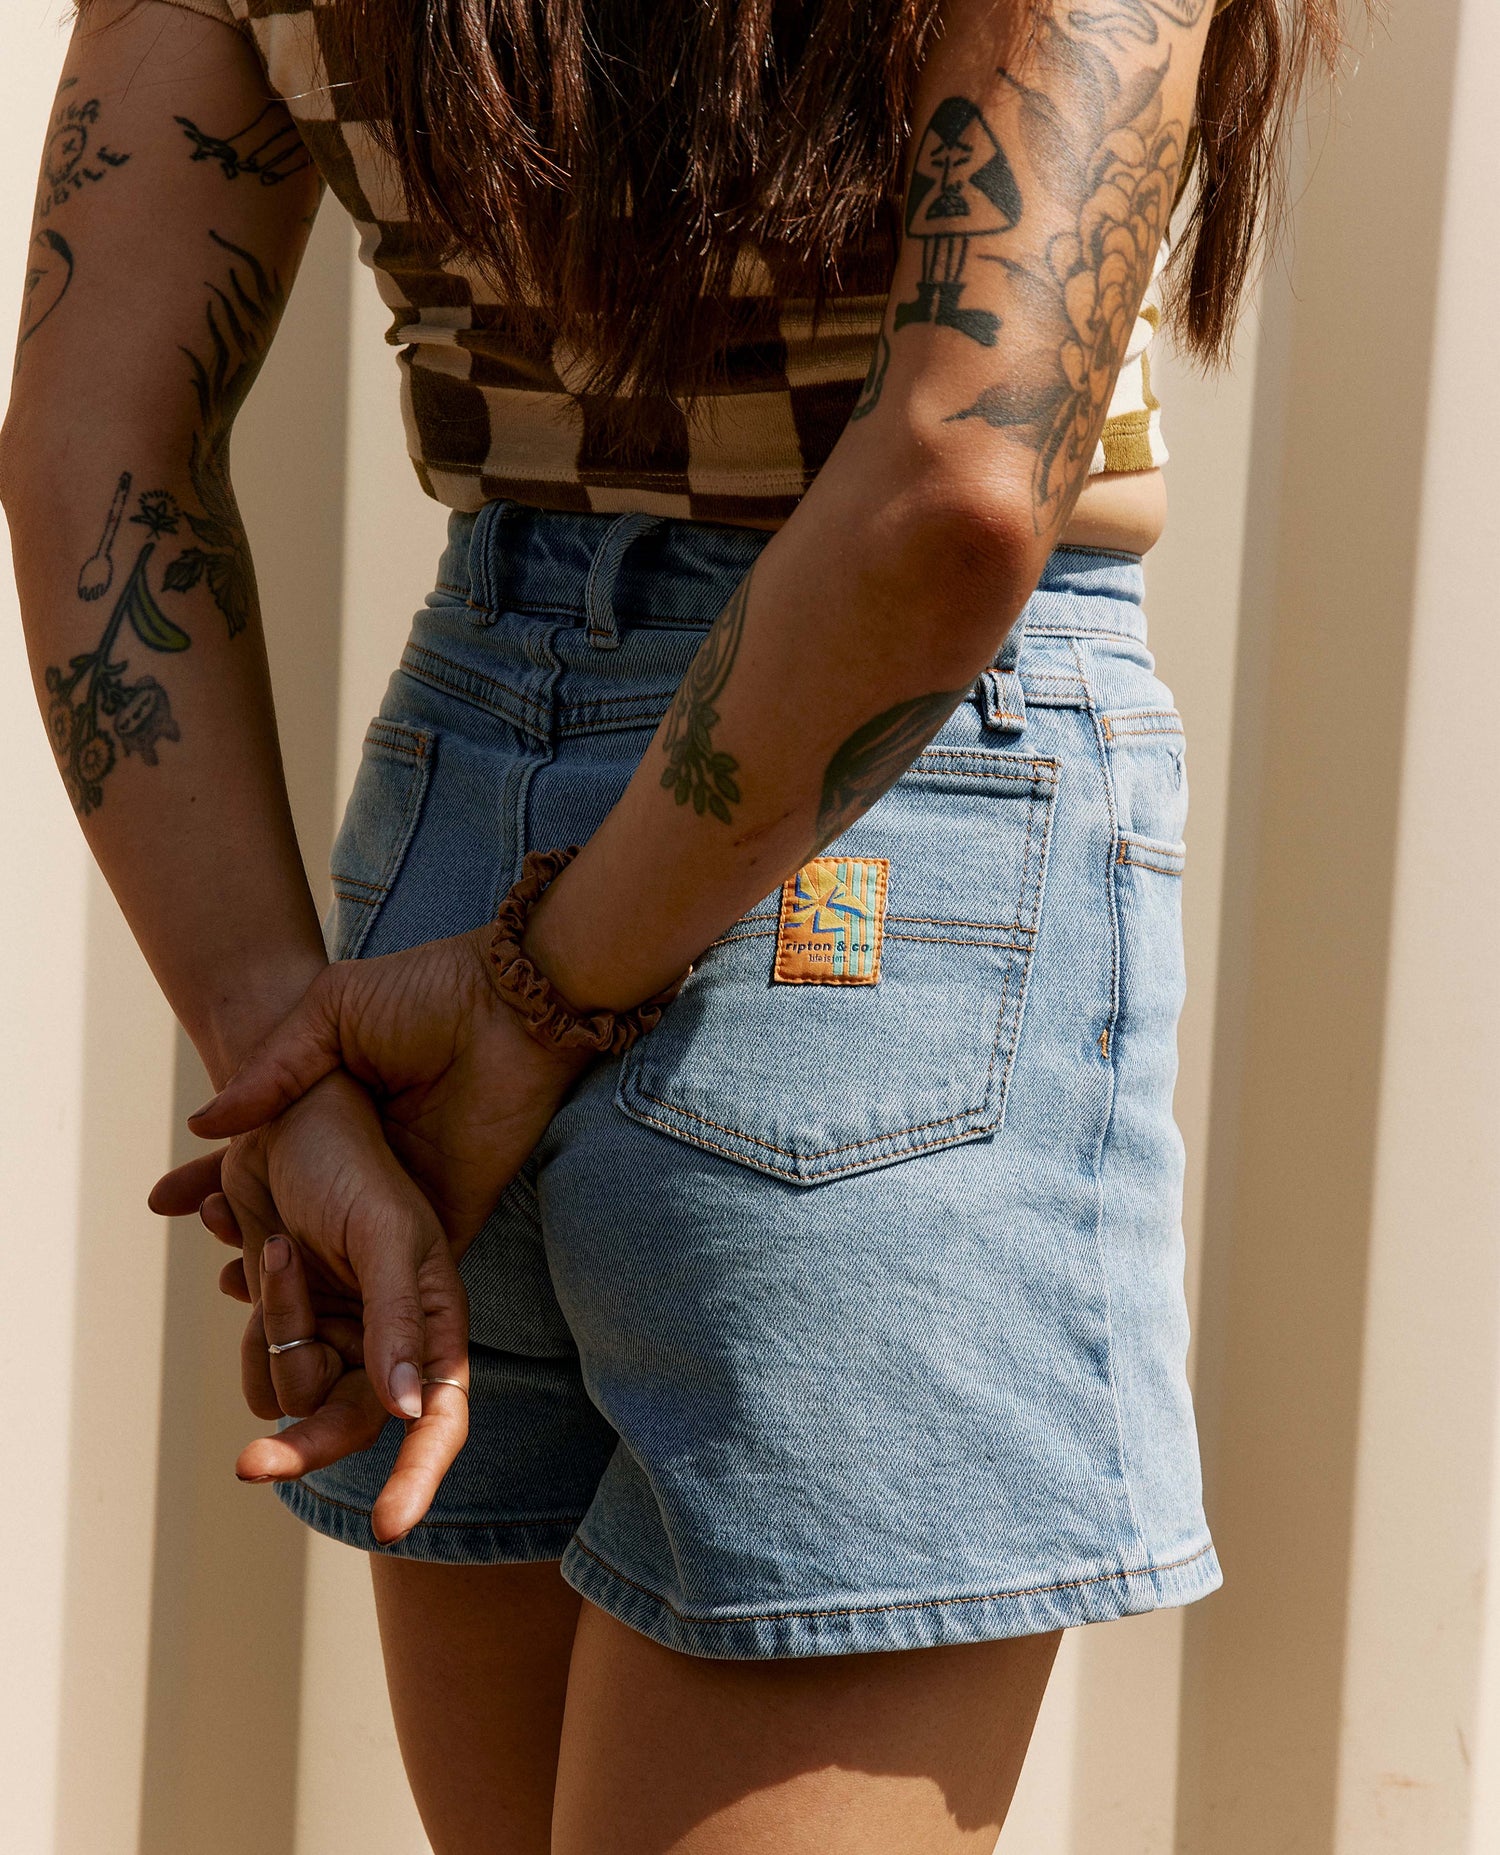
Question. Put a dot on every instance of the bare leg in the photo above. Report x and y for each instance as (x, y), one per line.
(913, 1752)
(476, 1658)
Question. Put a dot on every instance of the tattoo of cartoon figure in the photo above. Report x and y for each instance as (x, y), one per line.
(962, 189)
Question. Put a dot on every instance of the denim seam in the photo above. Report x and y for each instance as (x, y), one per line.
(866, 1610)
(348, 1507)
(466, 682)
(1101, 749)
(421, 771)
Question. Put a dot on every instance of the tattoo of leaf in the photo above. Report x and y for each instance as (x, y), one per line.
(242, 316)
(875, 756)
(697, 771)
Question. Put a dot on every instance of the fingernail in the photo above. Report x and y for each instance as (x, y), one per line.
(406, 1388)
(198, 1113)
(276, 1254)
(255, 1478)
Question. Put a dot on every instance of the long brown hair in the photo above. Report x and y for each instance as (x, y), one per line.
(612, 155)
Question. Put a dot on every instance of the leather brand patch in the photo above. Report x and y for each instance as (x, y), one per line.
(832, 922)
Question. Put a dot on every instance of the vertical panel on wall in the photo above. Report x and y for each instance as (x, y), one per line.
(1333, 561)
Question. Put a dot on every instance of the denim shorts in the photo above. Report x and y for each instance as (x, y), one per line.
(833, 1316)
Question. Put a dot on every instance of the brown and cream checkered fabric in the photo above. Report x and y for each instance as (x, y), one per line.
(491, 396)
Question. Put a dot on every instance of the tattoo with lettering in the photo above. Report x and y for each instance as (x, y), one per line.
(271, 152)
(72, 157)
(696, 769)
(875, 756)
(242, 317)
(96, 704)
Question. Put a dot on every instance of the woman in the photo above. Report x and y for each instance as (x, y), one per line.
(804, 1139)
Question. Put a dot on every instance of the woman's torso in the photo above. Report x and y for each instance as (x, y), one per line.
(495, 404)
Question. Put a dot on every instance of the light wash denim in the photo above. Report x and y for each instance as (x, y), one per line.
(833, 1317)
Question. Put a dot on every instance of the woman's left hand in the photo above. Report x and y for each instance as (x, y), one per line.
(464, 1092)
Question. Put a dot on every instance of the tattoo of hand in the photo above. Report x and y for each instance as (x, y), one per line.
(696, 769)
(875, 756)
(272, 153)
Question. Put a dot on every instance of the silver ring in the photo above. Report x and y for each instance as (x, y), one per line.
(447, 1381)
(287, 1345)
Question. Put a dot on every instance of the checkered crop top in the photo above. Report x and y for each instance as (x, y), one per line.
(489, 393)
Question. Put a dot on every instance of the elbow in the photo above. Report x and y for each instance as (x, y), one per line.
(971, 558)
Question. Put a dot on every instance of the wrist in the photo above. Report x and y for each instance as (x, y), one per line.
(248, 1005)
(553, 1017)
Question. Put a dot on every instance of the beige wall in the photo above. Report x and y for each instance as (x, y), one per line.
(186, 1670)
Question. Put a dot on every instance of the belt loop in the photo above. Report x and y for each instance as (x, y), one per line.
(599, 588)
(1004, 701)
(485, 583)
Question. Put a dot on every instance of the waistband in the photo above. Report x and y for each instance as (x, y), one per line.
(610, 571)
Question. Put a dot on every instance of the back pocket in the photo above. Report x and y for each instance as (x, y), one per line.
(379, 821)
(814, 1080)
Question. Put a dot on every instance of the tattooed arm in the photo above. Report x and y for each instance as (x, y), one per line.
(157, 278)
(1040, 178)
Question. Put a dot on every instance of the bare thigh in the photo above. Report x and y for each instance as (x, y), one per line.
(476, 1658)
(915, 1752)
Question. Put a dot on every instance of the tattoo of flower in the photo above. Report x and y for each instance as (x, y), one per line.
(1095, 274)
(92, 705)
(696, 769)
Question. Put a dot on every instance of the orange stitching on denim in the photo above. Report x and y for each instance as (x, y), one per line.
(913, 1603)
(413, 743)
(472, 678)
(790, 1152)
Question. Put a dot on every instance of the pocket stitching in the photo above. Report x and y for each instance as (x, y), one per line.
(419, 761)
(1041, 792)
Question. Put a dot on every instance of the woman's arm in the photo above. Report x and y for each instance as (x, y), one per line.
(157, 273)
(1041, 177)
(173, 208)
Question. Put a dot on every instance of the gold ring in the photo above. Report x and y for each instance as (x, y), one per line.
(447, 1381)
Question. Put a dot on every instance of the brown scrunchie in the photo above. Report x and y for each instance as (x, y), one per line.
(547, 1015)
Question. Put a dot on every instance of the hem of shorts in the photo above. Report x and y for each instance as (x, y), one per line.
(900, 1623)
(438, 1542)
